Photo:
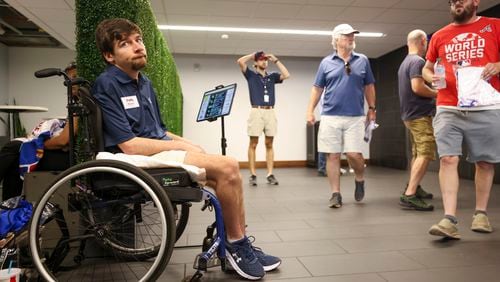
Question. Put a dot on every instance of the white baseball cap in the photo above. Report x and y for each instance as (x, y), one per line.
(344, 29)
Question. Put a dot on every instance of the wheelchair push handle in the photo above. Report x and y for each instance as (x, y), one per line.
(48, 72)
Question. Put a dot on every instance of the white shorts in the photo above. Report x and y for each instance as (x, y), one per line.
(171, 156)
(341, 134)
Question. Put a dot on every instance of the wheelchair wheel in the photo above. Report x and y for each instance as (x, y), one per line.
(181, 218)
(102, 220)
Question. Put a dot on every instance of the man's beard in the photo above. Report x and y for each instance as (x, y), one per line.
(466, 15)
(351, 47)
(139, 63)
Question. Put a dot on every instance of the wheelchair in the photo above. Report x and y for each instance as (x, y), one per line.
(110, 220)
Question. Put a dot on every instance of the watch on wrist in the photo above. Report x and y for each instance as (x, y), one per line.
(372, 108)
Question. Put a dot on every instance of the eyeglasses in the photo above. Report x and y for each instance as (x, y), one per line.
(347, 67)
(454, 2)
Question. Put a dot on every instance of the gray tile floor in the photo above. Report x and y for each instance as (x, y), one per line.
(369, 241)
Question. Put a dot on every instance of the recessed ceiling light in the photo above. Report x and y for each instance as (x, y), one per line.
(261, 30)
(224, 36)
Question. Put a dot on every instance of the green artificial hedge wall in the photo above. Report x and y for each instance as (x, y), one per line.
(161, 68)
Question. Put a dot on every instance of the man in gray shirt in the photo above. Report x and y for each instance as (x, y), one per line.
(417, 108)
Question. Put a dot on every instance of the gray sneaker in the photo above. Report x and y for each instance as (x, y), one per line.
(253, 180)
(272, 180)
(335, 200)
(359, 191)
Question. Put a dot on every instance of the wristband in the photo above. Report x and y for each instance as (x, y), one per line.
(276, 61)
(372, 108)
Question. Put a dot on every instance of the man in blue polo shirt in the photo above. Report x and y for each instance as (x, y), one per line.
(262, 117)
(345, 79)
(132, 125)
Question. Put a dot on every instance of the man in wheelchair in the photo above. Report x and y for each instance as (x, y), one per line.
(132, 125)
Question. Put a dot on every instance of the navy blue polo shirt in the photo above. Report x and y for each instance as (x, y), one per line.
(256, 83)
(344, 93)
(129, 107)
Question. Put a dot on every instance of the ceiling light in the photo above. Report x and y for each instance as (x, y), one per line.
(224, 36)
(261, 30)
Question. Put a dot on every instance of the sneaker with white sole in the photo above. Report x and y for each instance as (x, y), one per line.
(335, 200)
(269, 262)
(252, 180)
(481, 224)
(243, 260)
(271, 179)
(445, 228)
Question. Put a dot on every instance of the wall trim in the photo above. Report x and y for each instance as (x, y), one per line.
(277, 164)
(289, 164)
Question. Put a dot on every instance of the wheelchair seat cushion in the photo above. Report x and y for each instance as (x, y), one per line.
(156, 161)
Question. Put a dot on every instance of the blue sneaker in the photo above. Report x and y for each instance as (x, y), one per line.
(268, 262)
(243, 260)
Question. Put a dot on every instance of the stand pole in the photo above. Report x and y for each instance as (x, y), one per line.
(223, 143)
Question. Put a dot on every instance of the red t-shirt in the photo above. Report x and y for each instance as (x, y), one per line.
(474, 44)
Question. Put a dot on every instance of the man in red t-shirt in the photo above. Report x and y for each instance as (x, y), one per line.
(473, 41)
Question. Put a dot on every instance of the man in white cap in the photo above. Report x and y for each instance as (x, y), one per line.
(343, 77)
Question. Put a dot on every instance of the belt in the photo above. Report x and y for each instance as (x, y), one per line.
(263, 107)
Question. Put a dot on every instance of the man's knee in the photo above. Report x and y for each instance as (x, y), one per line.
(449, 161)
(229, 169)
(485, 166)
(354, 156)
(333, 157)
(253, 142)
(269, 143)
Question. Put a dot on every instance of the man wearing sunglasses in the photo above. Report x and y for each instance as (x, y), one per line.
(345, 79)
(469, 41)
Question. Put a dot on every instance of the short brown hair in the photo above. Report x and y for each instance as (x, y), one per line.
(110, 30)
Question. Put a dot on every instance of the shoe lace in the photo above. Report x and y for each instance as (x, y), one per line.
(246, 250)
(251, 240)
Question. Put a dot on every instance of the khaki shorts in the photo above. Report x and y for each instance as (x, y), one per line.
(422, 139)
(341, 134)
(262, 120)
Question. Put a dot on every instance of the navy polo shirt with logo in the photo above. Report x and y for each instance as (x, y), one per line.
(129, 107)
(256, 84)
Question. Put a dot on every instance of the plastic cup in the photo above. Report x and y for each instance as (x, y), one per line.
(12, 276)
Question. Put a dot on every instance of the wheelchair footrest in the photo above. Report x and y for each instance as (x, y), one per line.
(201, 264)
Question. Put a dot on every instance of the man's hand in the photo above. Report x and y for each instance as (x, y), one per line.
(311, 119)
(490, 70)
(371, 115)
(272, 58)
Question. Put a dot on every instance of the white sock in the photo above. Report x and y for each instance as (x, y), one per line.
(234, 240)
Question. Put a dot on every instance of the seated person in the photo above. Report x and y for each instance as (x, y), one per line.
(55, 156)
(132, 124)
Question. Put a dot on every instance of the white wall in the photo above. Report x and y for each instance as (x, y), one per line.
(32, 91)
(292, 98)
(291, 101)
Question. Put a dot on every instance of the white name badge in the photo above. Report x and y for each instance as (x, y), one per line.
(266, 98)
(130, 102)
